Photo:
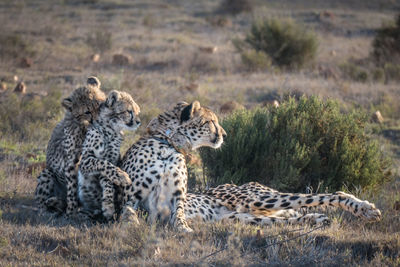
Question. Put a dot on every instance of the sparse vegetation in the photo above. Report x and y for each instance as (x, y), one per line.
(386, 48)
(100, 41)
(235, 7)
(14, 46)
(354, 72)
(392, 72)
(304, 143)
(287, 44)
(29, 118)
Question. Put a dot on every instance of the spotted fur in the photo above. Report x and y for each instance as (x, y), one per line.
(99, 175)
(258, 204)
(210, 209)
(56, 190)
(156, 163)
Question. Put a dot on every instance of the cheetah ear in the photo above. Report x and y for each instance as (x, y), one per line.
(111, 98)
(188, 112)
(67, 103)
(93, 81)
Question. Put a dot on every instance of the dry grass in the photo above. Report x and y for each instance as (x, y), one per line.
(164, 39)
(29, 239)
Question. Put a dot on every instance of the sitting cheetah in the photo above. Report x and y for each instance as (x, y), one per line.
(257, 204)
(156, 163)
(98, 174)
(57, 184)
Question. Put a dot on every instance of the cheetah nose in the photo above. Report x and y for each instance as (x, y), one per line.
(138, 122)
(223, 133)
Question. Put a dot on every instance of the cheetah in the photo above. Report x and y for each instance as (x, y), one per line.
(98, 172)
(254, 203)
(56, 190)
(156, 163)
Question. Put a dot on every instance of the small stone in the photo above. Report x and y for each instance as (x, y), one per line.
(377, 117)
(396, 205)
(230, 106)
(20, 88)
(275, 104)
(191, 87)
(209, 49)
(326, 15)
(25, 62)
(3, 87)
(95, 58)
(121, 60)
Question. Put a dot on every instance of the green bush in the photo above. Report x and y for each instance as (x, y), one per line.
(299, 144)
(386, 45)
(256, 60)
(29, 119)
(287, 44)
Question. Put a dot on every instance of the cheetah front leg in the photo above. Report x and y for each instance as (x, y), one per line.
(107, 200)
(110, 175)
(178, 215)
(177, 185)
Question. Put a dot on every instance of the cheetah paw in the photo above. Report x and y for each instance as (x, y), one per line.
(54, 204)
(123, 178)
(316, 218)
(362, 209)
(368, 212)
(184, 229)
(129, 216)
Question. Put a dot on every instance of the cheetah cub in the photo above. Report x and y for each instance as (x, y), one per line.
(57, 189)
(99, 178)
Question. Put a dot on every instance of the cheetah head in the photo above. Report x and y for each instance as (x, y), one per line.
(120, 111)
(84, 102)
(189, 123)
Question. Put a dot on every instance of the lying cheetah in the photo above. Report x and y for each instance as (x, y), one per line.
(257, 204)
(57, 184)
(98, 171)
(156, 163)
(153, 166)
